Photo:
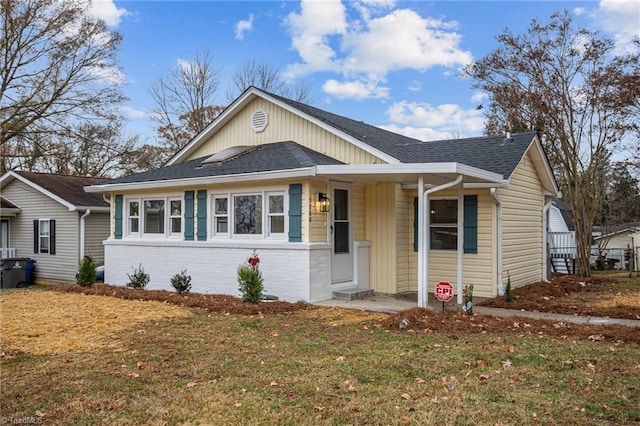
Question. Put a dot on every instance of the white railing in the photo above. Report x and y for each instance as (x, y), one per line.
(7, 253)
(562, 244)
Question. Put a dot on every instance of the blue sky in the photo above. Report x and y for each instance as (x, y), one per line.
(393, 64)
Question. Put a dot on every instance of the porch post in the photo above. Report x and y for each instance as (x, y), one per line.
(422, 262)
(460, 237)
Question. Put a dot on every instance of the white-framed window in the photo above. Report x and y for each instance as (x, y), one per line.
(275, 213)
(44, 236)
(133, 216)
(444, 224)
(247, 214)
(220, 205)
(175, 216)
(154, 216)
(251, 214)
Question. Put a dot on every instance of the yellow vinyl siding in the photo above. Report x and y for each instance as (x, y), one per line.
(283, 126)
(522, 205)
(478, 269)
(317, 223)
(404, 243)
(380, 229)
(359, 212)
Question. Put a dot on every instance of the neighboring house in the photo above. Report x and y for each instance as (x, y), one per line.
(562, 245)
(50, 218)
(332, 204)
(615, 247)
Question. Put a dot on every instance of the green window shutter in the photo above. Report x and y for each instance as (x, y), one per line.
(471, 224)
(118, 219)
(52, 236)
(415, 223)
(295, 213)
(202, 215)
(188, 215)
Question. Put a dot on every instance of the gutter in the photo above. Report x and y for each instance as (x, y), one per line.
(424, 240)
(82, 231)
(499, 275)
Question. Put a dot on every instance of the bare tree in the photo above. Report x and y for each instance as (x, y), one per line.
(268, 78)
(57, 71)
(568, 84)
(184, 101)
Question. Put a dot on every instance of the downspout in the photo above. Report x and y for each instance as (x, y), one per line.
(423, 249)
(82, 226)
(499, 273)
(460, 251)
(545, 258)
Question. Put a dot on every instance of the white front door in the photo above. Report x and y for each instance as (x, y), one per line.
(341, 230)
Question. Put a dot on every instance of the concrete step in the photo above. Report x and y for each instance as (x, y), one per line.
(353, 293)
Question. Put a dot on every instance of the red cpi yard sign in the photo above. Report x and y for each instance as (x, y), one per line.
(444, 291)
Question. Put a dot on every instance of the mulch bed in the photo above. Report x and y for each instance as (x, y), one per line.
(453, 323)
(572, 295)
(208, 302)
(457, 324)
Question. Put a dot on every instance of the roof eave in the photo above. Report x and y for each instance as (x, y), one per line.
(205, 180)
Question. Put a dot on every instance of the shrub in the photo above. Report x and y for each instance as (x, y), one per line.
(508, 297)
(139, 279)
(250, 279)
(86, 275)
(181, 282)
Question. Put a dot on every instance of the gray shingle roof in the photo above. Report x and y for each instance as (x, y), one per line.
(263, 158)
(492, 153)
(68, 188)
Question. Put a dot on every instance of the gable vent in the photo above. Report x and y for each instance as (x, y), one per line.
(259, 120)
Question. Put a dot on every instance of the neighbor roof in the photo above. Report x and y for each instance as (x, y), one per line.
(68, 190)
(263, 158)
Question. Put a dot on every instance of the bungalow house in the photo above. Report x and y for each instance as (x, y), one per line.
(331, 204)
(51, 219)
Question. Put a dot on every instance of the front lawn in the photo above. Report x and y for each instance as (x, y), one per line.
(138, 362)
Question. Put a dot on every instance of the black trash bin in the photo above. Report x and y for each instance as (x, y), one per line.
(17, 272)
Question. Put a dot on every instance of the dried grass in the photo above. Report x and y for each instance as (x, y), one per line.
(46, 322)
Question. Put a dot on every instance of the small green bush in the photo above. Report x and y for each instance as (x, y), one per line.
(508, 297)
(86, 275)
(181, 282)
(250, 279)
(139, 279)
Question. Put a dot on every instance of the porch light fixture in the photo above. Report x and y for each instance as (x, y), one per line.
(323, 202)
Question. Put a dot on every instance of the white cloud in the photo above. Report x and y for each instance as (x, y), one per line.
(366, 48)
(479, 97)
(415, 86)
(355, 89)
(107, 11)
(133, 113)
(243, 26)
(420, 133)
(310, 32)
(621, 18)
(428, 122)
